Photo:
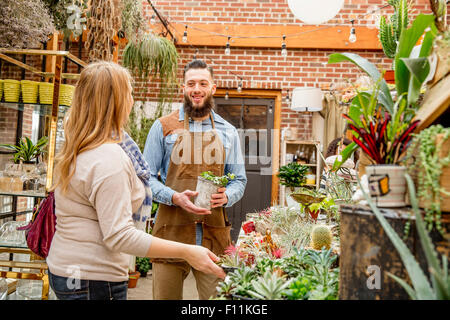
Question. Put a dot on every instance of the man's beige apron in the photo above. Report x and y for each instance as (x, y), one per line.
(192, 153)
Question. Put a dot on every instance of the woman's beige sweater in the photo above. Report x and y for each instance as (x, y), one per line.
(95, 233)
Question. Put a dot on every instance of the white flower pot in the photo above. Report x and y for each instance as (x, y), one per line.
(387, 185)
(289, 200)
(205, 189)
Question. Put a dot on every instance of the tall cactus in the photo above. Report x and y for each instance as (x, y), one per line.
(390, 30)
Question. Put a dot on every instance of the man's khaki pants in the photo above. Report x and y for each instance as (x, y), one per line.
(168, 279)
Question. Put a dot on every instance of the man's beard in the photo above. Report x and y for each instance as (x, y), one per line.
(198, 112)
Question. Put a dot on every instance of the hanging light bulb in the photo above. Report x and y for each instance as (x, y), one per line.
(153, 19)
(239, 88)
(283, 47)
(226, 95)
(227, 48)
(352, 37)
(195, 55)
(185, 35)
(288, 99)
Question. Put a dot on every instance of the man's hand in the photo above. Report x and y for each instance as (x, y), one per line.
(183, 200)
(219, 199)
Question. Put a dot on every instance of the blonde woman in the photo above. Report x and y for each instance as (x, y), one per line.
(96, 192)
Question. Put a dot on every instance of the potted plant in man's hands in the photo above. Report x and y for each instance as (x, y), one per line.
(293, 176)
(207, 185)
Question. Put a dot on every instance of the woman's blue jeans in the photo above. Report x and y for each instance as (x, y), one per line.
(76, 289)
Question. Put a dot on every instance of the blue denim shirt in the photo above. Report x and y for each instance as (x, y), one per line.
(158, 149)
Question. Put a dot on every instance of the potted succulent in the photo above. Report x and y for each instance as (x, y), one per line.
(207, 185)
(293, 176)
(382, 126)
(143, 265)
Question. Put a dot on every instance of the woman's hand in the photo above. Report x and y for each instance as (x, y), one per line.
(202, 259)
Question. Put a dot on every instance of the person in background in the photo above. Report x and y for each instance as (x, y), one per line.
(96, 192)
(180, 146)
(334, 149)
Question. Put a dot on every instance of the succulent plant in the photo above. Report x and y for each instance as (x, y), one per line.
(269, 287)
(321, 237)
(390, 30)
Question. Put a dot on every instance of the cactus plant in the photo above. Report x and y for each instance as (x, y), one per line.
(321, 237)
(391, 28)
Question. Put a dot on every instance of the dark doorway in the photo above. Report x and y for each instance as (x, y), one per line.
(254, 119)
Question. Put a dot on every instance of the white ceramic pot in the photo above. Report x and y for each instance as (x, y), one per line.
(387, 185)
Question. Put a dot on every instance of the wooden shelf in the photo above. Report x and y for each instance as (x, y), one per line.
(311, 144)
(30, 194)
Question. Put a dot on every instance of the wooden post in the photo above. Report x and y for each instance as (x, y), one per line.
(51, 59)
(53, 121)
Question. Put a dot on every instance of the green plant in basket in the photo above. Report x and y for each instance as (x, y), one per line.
(27, 151)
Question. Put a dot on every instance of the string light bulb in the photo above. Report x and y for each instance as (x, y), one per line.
(352, 37)
(185, 39)
(239, 88)
(227, 48)
(153, 19)
(226, 95)
(288, 98)
(283, 47)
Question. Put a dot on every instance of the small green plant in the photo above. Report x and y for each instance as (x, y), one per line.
(26, 151)
(220, 181)
(143, 264)
(270, 287)
(292, 175)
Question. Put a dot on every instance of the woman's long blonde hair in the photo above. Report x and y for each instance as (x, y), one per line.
(99, 111)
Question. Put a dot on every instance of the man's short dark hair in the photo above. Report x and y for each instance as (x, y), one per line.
(198, 64)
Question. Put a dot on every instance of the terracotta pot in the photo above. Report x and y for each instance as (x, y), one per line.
(387, 185)
(133, 278)
(389, 76)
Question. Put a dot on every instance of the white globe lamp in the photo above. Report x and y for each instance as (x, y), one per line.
(315, 11)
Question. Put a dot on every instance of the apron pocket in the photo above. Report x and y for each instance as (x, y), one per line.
(216, 239)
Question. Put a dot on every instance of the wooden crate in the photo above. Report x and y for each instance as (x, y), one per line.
(365, 247)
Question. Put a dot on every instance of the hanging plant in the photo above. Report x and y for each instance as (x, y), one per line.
(24, 24)
(133, 21)
(155, 57)
(152, 56)
(102, 25)
(67, 19)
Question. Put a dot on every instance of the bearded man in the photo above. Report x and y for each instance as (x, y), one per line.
(180, 146)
